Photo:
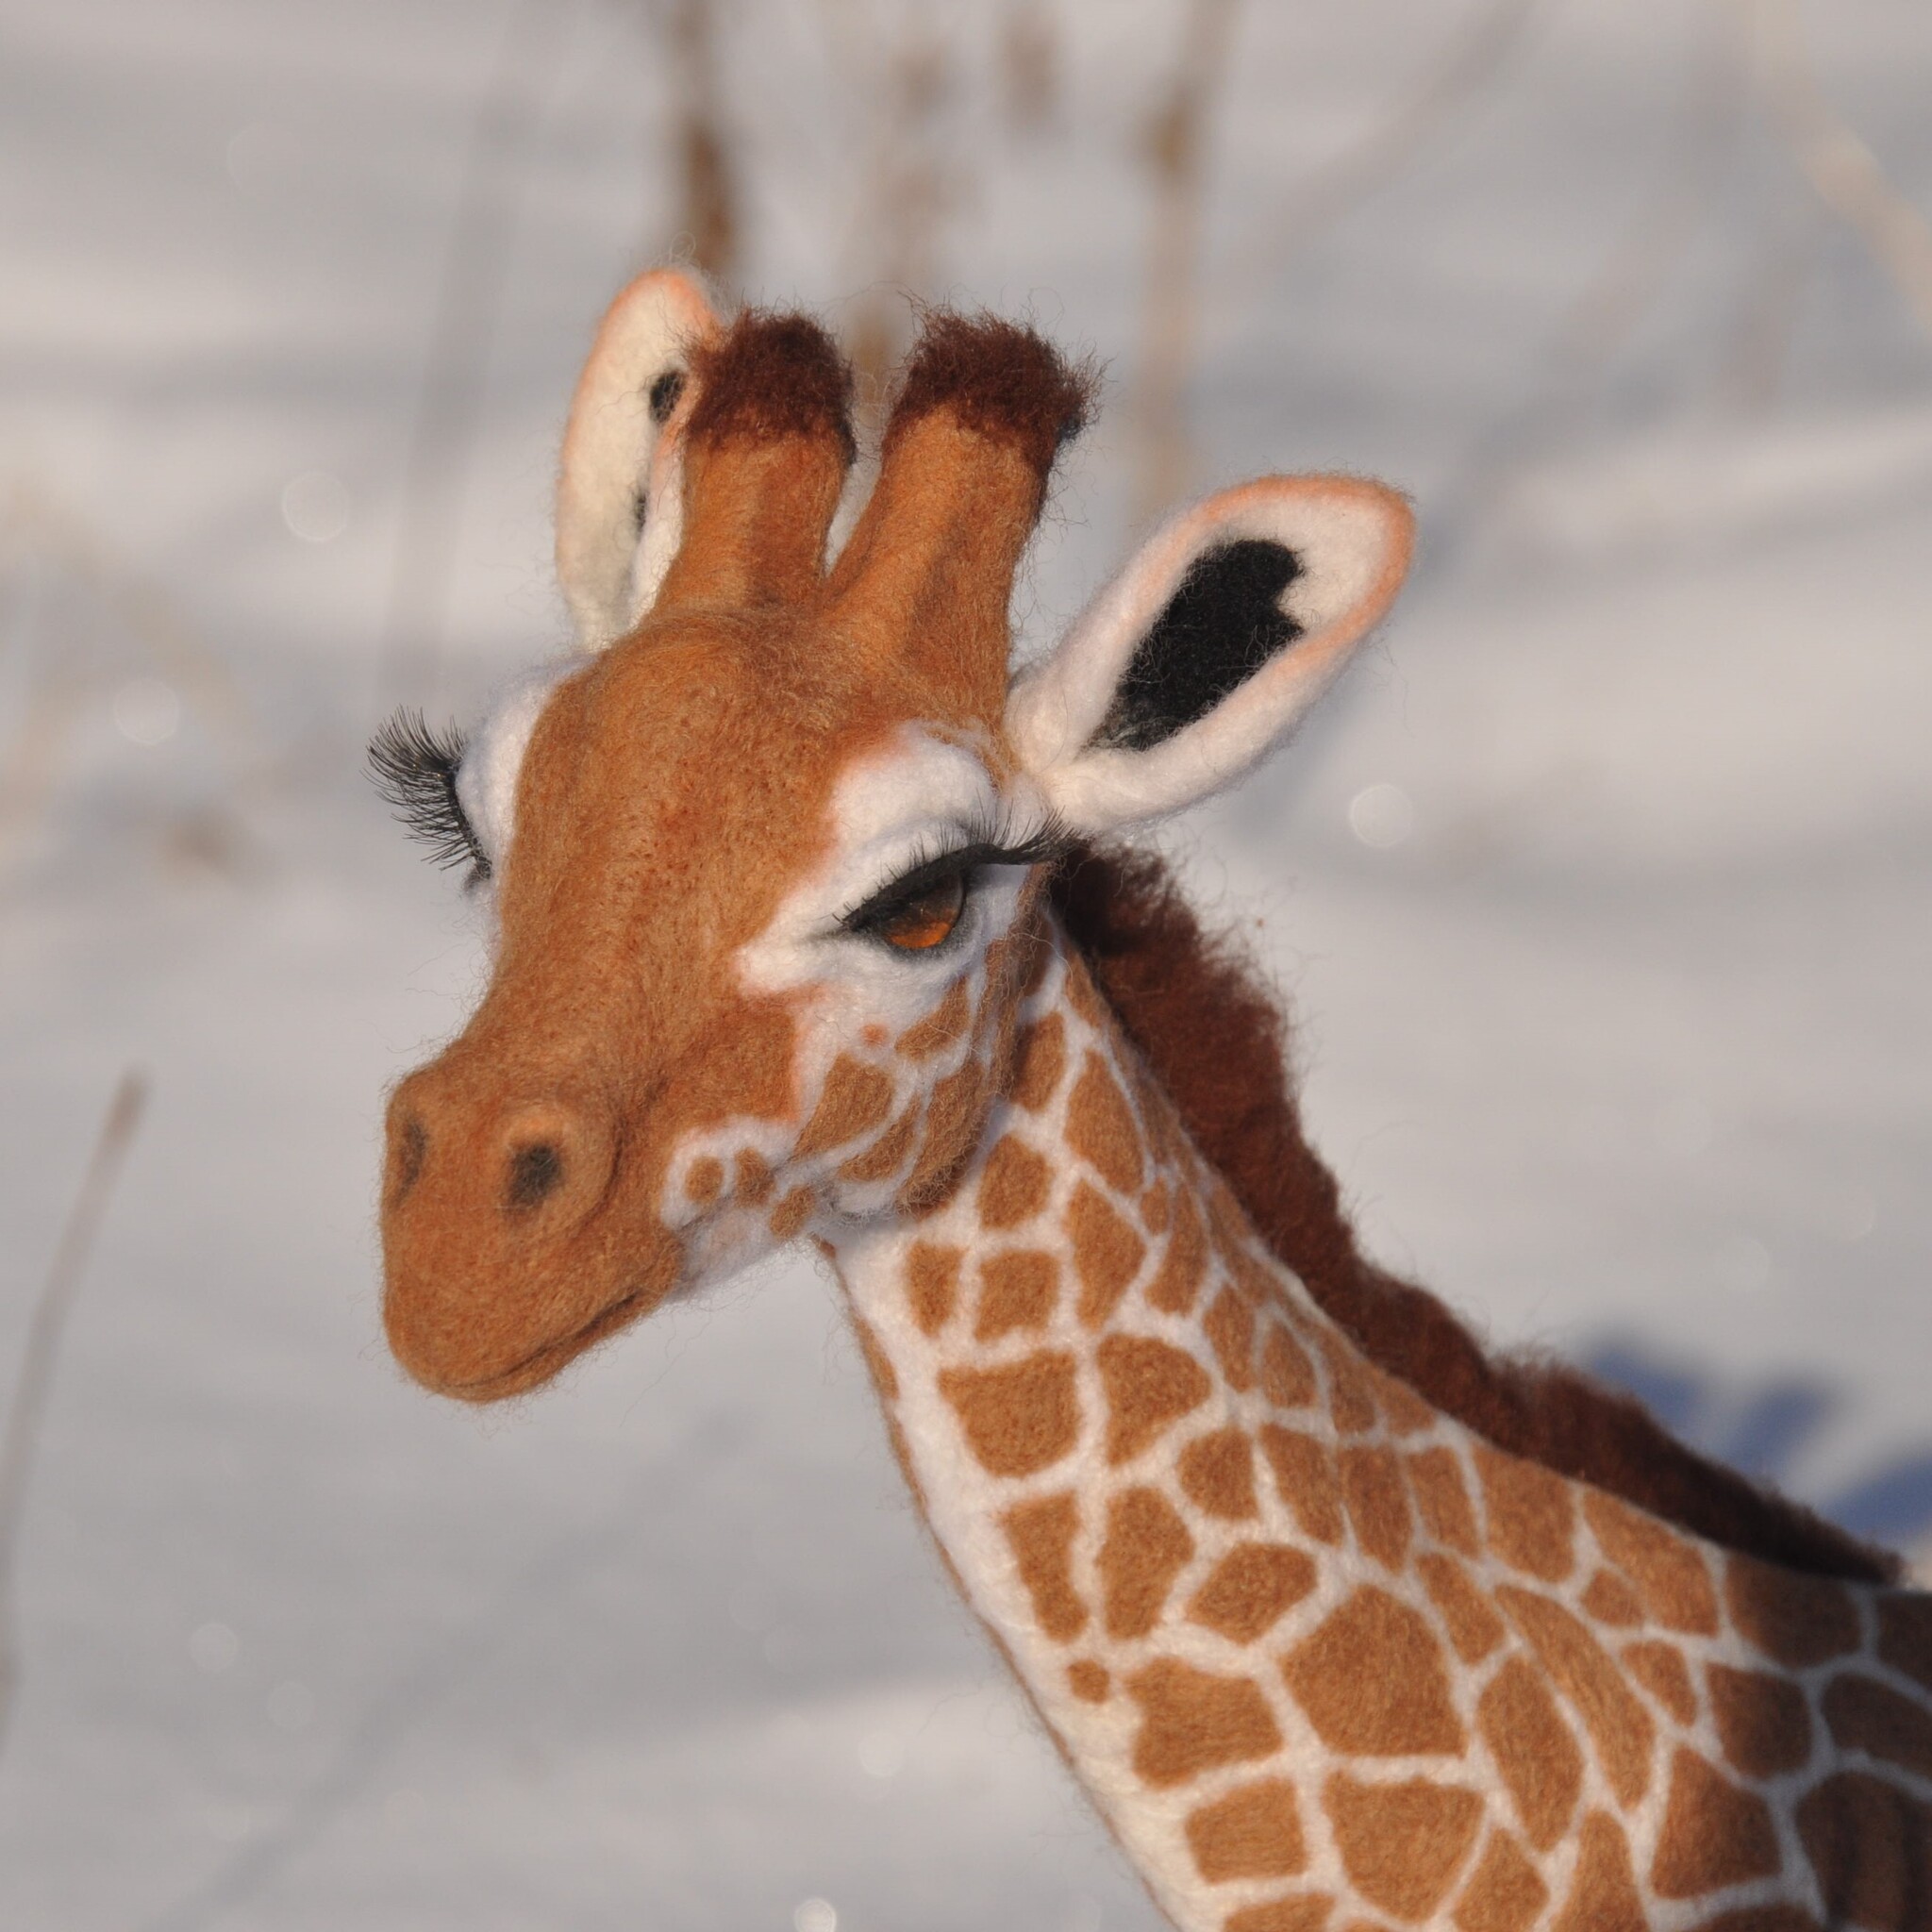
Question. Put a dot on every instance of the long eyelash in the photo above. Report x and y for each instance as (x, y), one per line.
(992, 838)
(415, 771)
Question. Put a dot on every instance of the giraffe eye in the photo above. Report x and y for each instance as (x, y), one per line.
(920, 924)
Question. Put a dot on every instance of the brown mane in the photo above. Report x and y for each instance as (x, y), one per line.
(1200, 1013)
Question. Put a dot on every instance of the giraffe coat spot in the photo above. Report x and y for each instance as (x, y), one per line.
(1373, 1681)
(1530, 1512)
(1442, 1499)
(1668, 1570)
(1014, 1185)
(1102, 1130)
(1905, 1635)
(1217, 1472)
(1041, 1534)
(1403, 1843)
(1504, 1894)
(792, 1213)
(1106, 1253)
(1149, 1385)
(941, 1027)
(1192, 1721)
(1798, 1621)
(887, 1155)
(706, 1180)
(1763, 1722)
(1040, 1058)
(1871, 1847)
(1254, 1832)
(1534, 1750)
(1018, 1287)
(1019, 1418)
(1603, 1892)
(856, 1098)
(1619, 1728)
(1287, 1377)
(1250, 1590)
(1862, 1714)
(1351, 1397)
(1177, 1280)
(1377, 1503)
(1147, 1546)
(932, 1284)
(755, 1180)
(1714, 1835)
(1089, 1681)
(1304, 1912)
(1305, 1478)
(1661, 1670)
(1229, 1326)
(1611, 1600)
(1475, 1628)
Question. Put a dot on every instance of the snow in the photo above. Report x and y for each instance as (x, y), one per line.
(1615, 1022)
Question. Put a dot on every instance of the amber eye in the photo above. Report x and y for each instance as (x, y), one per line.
(920, 924)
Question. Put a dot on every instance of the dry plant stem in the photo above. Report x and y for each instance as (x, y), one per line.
(1842, 171)
(464, 328)
(36, 1379)
(708, 219)
(1342, 184)
(1177, 153)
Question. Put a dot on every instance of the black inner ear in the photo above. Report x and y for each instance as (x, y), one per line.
(1223, 624)
(664, 394)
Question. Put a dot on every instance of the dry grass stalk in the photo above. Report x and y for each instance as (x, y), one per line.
(708, 178)
(36, 1379)
(1842, 171)
(1176, 152)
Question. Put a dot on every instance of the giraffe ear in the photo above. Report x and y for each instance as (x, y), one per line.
(620, 498)
(1207, 650)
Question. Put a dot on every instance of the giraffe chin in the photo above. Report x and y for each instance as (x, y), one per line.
(445, 1371)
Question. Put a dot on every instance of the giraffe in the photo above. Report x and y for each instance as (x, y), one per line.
(802, 932)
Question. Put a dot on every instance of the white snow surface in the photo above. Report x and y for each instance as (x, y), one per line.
(1600, 890)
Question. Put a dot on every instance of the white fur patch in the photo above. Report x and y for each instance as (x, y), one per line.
(493, 758)
(1351, 540)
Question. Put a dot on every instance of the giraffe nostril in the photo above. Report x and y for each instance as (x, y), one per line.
(411, 1151)
(536, 1172)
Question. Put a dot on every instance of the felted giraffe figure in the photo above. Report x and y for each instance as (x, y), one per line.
(800, 932)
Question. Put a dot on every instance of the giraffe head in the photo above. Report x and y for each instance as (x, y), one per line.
(764, 851)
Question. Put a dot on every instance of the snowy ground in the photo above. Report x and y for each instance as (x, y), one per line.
(1601, 890)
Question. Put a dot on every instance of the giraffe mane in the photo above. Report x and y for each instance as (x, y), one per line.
(1201, 1014)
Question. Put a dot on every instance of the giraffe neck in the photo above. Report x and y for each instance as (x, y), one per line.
(1314, 1647)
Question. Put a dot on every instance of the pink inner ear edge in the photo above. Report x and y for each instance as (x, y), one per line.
(1057, 707)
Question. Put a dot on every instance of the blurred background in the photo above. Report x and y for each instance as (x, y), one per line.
(1600, 889)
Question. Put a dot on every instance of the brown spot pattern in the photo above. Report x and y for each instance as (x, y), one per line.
(1530, 1512)
(755, 1180)
(1667, 1570)
(1661, 1670)
(1905, 1636)
(1229, 1326)
(1019, 1418)
(1107, 1253)
(1041, 1534)
(1441, 1497)
(1192, 1721)
(1603, 1894)
(1014, 1185)
(1403, 1843)
(856, 1098)
(1862, 1714)
(1371, 1679)
(1177, 1280)
(1089, 1680)
(1217, 1472)
(1287, 1377)
(887, 1155)
(706, 1180)
(932, 1284)
(1351, 1395)
(792, 1213)
(1101, 1128)
(1251, 1588)
(1016, 1290)
(1304, 1913)
(1797, 1620)
(1042, 1058)
(1871, 1847)
(1763, 1722)
(1611, 1600)
(1305, 1478)
(1149, 1385)
(941, 1027)
(1504, 1893)
(1619, 1728)
(1254, 1832)
(1475, 1628)
(1147, 1546)
(1714, 1832)
(1377, 1502)
(1538, 1759)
